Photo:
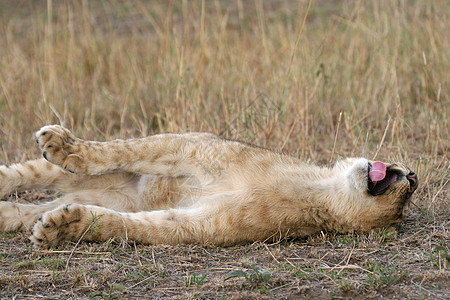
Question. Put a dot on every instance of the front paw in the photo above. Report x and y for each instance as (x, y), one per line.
(60, 147)
(65, 223)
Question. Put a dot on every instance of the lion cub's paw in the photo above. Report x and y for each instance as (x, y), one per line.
(60, 147)
(64, 223)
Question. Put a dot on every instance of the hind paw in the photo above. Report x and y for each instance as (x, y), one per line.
(56, 226)
(60, 147)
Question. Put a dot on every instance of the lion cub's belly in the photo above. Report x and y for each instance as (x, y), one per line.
(159, 192)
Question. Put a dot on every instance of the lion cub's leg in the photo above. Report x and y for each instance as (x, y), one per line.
(19, 216)
(167, 155)
(40, 174)
(118, 191)
(203, 224)
(71, 222)
(31, 174)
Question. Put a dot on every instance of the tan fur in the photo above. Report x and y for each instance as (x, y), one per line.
(190, 188)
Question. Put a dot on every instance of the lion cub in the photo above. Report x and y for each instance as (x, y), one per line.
(195, 188)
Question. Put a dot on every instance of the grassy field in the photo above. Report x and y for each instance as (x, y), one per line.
(319, 80)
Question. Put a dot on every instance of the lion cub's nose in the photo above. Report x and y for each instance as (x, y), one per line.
(412, 178)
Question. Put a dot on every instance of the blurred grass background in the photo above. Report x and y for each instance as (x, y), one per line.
(318, 79)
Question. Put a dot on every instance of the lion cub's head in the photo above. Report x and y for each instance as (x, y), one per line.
(386, 191)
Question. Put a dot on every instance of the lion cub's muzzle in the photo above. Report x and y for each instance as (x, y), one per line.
(392, 176)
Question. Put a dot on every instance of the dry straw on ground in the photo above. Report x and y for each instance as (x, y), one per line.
(353, 78)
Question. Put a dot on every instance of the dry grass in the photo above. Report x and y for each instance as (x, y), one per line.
(359, 78)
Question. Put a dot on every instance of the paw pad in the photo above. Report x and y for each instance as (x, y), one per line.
(59, 146)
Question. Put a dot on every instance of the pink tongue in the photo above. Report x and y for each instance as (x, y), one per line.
(378, 171)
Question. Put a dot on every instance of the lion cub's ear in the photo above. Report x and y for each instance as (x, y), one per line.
(357, 174)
